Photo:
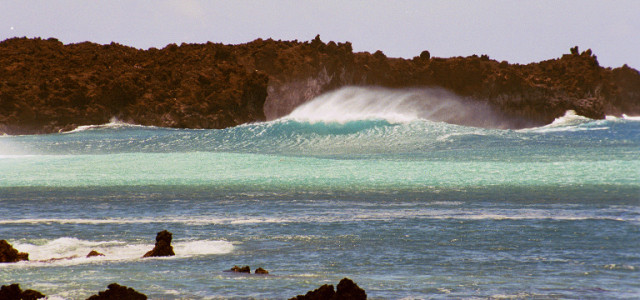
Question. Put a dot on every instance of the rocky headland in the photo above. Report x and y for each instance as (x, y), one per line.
(46, 86)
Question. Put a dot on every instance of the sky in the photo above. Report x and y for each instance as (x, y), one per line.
(515, 31)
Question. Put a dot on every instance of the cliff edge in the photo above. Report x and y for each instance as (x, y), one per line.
(46, 86)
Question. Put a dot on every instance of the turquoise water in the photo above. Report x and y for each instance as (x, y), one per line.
(406, 208)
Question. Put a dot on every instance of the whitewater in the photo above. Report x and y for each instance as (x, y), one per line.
(411, 193)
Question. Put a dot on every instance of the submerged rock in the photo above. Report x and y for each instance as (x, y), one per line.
(8, 254)
(347, 290)
(94, 253)
(163, 245)
(118, 292)
(10, 292)
(261, 271)
(236, 269)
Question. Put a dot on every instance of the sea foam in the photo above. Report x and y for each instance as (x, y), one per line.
(73, 251)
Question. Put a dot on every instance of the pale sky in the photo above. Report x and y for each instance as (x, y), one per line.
(517, 31)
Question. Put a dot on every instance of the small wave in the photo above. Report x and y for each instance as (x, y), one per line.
(620, 267)
(73, 251)
(570, 118)
(433, 210)
(14, 156)
(114, 123)
(570, 121)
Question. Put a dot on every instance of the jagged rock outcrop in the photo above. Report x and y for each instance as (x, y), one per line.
(8, 254)
(13, 292)
(115, 291)
(261, 271)
(163, 245)
(346, 290)
(46, 86)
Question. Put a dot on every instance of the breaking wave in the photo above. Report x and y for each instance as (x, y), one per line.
(350, 104)
(73, 251)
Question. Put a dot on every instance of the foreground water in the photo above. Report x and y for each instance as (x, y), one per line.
(406, 208)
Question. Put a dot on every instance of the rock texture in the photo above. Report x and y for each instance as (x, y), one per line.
(13, 292)
(163, 245)
(94, 253)
(46, 86)
(117, 292)
(8, 254)
(347, 290)
(245, 269)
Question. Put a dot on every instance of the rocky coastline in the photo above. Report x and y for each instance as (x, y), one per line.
(346, 288)
(46, 86)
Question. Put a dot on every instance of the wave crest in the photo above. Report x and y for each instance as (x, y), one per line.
(114, 123)
(350, 104)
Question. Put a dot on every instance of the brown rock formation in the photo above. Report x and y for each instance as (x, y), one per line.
(46, 86)
(117, 292)
(94, 253)
(236, 269)
(261, 271)
(11, 292)
(8, 254)
(163, 245)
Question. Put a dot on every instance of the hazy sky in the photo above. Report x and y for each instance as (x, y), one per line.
(516, 31)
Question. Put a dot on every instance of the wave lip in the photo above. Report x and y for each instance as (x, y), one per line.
(114, 123)
(350, 104)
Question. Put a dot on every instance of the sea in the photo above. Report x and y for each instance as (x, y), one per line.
(364, 185)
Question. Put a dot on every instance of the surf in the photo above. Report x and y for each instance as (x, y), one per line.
(73, 251)
(353, 103)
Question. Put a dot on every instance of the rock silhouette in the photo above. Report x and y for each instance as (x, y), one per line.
(346, 290)
(46, 86)
(245, 269)
(163, 245)
(94, 253)
(13, 291)
(115, 291)
(8, 254)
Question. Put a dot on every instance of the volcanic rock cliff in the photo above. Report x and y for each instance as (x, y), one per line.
(46, 86)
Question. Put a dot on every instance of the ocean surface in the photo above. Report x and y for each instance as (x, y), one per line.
(402, 203)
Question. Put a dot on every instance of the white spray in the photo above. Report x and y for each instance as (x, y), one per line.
(396, 106)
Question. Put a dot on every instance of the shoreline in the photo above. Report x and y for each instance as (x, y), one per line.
(49, 87)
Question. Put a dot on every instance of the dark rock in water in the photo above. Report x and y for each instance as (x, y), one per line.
(324, 292)
(94, 253)
(347, 290)
(163, 245)
(11, 292)
(8, 254)
(261, 271)
(118, 292)
(236, 269)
